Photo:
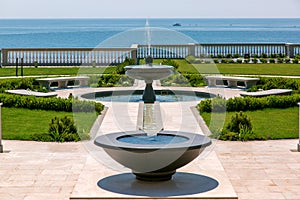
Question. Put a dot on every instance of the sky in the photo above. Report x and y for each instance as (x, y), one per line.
(149, 9)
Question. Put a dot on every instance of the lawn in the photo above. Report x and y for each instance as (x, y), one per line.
(184, 67)
(56, 71)
(242, 69)
(21, 124)
(267, 123)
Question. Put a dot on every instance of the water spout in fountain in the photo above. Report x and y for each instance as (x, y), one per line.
(152, 120)
(148, 37)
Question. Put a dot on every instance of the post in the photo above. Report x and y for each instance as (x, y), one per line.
(17, 63)
(22, 60)
(1, 146)
(298, 146)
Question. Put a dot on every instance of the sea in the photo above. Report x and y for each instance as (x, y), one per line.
(76, 33)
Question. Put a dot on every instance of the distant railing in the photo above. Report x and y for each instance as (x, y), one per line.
(113, 56)
(66, 56)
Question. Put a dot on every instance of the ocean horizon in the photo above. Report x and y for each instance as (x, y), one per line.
(76, 33)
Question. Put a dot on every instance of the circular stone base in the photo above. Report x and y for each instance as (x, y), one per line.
(154, 176)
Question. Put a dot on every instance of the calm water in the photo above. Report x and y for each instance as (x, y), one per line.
(159, 139)
(91, 32)
(160, 98)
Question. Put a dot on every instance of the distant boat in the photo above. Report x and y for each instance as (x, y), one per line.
(176, 24)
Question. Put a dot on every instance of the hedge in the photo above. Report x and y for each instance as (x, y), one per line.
(55, 104)
(237, 104)
(20, 83)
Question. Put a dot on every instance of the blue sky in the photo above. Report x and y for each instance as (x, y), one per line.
(149, 8)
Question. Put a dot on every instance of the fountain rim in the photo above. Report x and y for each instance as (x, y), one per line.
(194, 141)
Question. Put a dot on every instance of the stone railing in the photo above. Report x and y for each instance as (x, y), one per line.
(66, 56)
(111, 56)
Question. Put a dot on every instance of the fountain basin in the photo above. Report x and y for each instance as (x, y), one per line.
(153, 161)
(136, 95)
(149, 72)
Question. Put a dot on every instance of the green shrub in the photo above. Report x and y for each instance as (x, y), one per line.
(266, 83)
(170, 62)
(195, 80)
(120, 69)
(55, 104)
(262, 60)
(20, 83)
(63, 130)
(111, 80)
(238, 121)
(247, 103)
(217, 104)
(238, 128)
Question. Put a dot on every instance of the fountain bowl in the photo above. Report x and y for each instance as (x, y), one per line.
(154, 161)
(149, 72)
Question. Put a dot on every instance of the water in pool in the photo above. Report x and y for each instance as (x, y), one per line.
(160, 98)
(157, 139)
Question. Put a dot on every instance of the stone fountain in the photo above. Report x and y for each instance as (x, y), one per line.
(152, 157)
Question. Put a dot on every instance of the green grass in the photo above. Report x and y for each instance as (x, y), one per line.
(243, 69)
(267, 123)
(56, 71)
(21, 124)
(184, 67)
(252, 69)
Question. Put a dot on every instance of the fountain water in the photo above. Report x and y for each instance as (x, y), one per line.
(152, 153)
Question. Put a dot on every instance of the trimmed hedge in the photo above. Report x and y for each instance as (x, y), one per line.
(20, 83)
(55, 104)
(278, 83)
(219, 104)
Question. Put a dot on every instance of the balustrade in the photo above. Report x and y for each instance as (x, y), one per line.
(106, 56)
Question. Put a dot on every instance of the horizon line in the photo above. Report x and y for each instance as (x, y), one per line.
(19, 18)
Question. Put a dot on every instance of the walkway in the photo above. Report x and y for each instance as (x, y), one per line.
(265, 170)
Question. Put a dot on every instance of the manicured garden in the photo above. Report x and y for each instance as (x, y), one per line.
(262, 118)
(45, 119)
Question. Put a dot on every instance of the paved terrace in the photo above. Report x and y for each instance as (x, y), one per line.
(256, 170)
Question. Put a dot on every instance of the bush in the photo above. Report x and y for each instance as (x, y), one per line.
(20, 83)
(63, 130)
(120, 68)
(216, 61)
(238, 121)
(266, 83)
(55, 104)
(239, 128)
(247, 103)
(272, 60)
(170, 62)
(262, 60)
(217, 104)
